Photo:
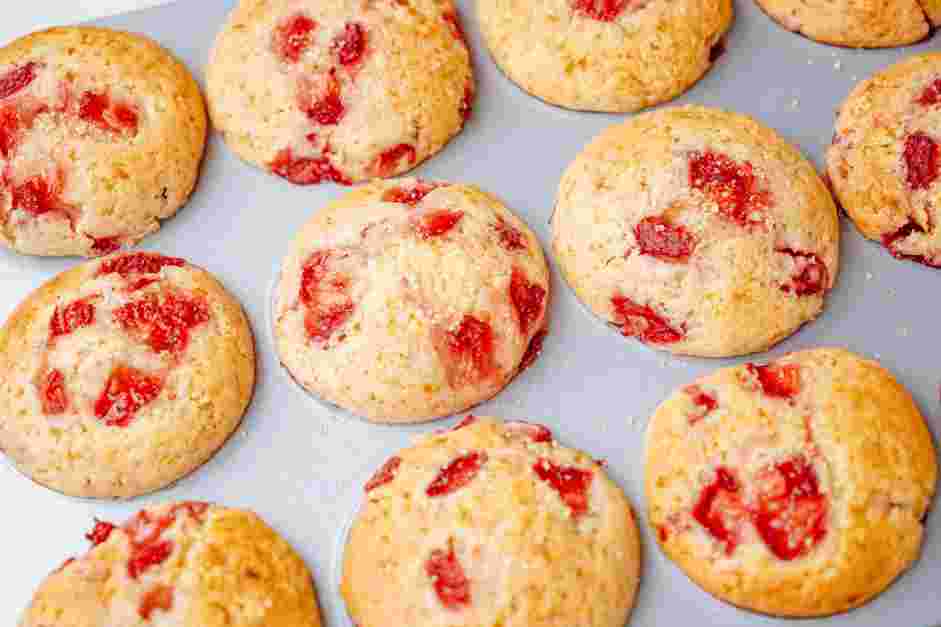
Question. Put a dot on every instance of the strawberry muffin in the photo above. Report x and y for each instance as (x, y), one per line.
(409, 300)
(604, 55)
(340, 90)
(885, 158)
(795, 488)
(697, 231)
(492, 523)
(123, 375)
(101, 137)
(857, 23)
(180, 565)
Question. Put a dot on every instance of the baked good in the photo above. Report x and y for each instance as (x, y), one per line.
(494, 523)
(604, 55)
(408, 300)
(697, 231)
(795, 488)
(339, 91)
(101, 137)
(866, 24)
(884, 160)
(182, 564)
(122, 375)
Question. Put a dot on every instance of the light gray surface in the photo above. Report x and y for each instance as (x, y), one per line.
(301, 465)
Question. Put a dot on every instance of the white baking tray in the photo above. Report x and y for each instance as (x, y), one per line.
(301, 464)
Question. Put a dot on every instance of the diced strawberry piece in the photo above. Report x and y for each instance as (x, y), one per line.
(320, 99)
(810, 273)
(293, 37)
(931, 94)
(894, 241)
(467, 103)
(146, 557)
(572, 484)
(511, 238)
(533, 349)
(126, 392)
(160, 597)
(66, 320)
(643, 322)
(100, 532)
(601, 10)
(791, 515)
(389, 161)
(9, 131)
(457, 474)
(324, 295)
(37, 196)
(447, 575)
(922, 160)
(411, 196)
(307, 170)
(97, 108)
(105, 245)
(471, 346)
(527, 299)
(658, 237)
(705, 403)
(732, 186)
(17, 79)
(138, 263)
(454, 22)
(350, 45)
(779, 381)
(144, 529)
(720, 510)
(536, 433)
(55, 400)
(166, 324)
(386, 474)
(437, 223)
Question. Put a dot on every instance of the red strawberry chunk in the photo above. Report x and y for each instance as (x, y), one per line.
(66, 320)
(437, 223)
(165, 324)
(922, 160)
(105, 245)
(810, 274)
(457, 474)
(533, 349)
(572, 484)
(931, 94)
(411, 196)
(658, 237)
(535, 433)
(17, 79)
(138, 263)
(293, 37)
(601, 10)
(99, 110)
(38, 196)
(471, 347)
(467, 103)
(511, 238)
(778, 381)
(720, 510)
(643, 322)
(126, 392)
(389, 161)
(100, 532)
(324, 294)
(9, 130)
(791, 515)
(146, 557)
(350, 45)
(895, 241)
(386, 474)
(454, 22)
(160, 597)
(527, 299)
(52, 394)
(447, 575)
(319, 99)
(705, 403)
(732, 186)
(307, 170)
